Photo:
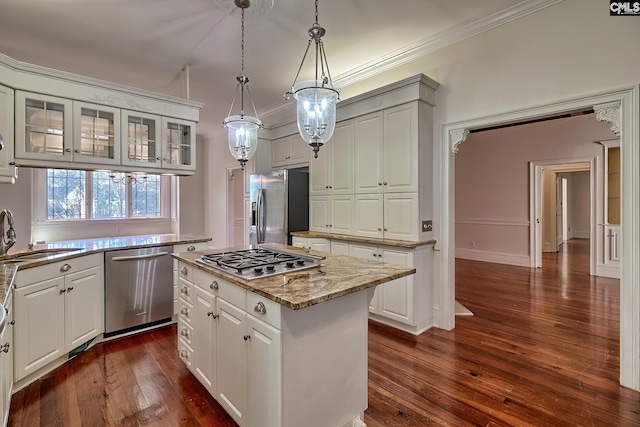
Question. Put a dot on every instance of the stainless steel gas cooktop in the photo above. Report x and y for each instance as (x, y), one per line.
(260, 262)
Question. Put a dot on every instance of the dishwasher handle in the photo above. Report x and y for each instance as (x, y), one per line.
(137, 257)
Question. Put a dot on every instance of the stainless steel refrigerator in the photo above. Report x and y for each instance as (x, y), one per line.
(279, 205)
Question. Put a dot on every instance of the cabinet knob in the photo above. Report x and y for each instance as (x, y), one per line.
(5, 348)
(67, 150)
(158, 158)
(13, 322)
(326, 186)
(214, 285)
(384, 183)
(379, 229)
(375, 255)
(65, 267)
(331, 186)
(260, 308)
(185, 290)
(184, 311)
(12, 163)
(62, 291)
(70, 288)
(164, 159)
(191, 248)
(184, 271)
(247, 337)
(379, 183)
(77, 150)
(184, 354)
(384, 229)
(184, 332)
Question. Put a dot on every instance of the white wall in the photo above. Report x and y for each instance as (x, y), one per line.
(580, 203)
(192, 194)
(17, 198)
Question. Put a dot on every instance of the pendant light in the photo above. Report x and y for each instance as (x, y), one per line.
(243, 129)
(316, 99)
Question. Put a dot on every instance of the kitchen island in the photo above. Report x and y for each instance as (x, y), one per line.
(285, 350)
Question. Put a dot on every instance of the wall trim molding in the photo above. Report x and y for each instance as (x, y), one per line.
(495, 257)
(494, 222)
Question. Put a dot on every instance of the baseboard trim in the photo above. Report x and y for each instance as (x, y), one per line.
(607, 271)
(495, 257)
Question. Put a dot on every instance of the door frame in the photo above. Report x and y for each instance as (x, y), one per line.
(625, 117)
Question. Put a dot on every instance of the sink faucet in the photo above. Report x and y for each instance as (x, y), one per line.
(10, 239)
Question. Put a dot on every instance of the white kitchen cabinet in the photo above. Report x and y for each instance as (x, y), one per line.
(331, 214)
(184, 247)
(388, 216)
(339, 247)
(178, 144)
(6, 363)
(205, 338)
(386, 150)
(8, 171)
(311, 243)
(141, 139)
(395, 299)
(43, 127)
(96, 134)
(289, 151)
(332, 172)
(56, 315)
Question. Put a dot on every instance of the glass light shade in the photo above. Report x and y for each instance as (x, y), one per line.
(316, 112)
(243, 137)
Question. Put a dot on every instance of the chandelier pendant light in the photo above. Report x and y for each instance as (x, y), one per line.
(316, 99)
(243, 129)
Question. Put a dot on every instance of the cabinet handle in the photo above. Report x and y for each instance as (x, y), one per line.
(260, 308)
(13, 322)
(158, 158)
(184, 354)
(65, 267)
(12, 163)
(5, 348)
(384, 183)
(185, 290)
(67, 150)
(326, 186)
(212, 314)
(164, 159)
(184, 311)
(191, 248)
(331, 186)
(385, 229)
(379, 229)
(184, 333)
(184, 271)
(247, 337)
(70, 288)
(77, 150)
(375, 255)
(379, 183)
(214, 285)
(62, 291)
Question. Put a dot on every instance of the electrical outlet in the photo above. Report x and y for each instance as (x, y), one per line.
(427, 225)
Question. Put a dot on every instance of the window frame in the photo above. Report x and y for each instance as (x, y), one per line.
(39, 200)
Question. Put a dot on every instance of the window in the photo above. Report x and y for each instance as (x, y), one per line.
(78, 195)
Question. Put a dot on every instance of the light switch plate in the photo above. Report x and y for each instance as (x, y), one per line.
(427, 226)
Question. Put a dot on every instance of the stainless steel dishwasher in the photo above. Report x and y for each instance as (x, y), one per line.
(138, 288)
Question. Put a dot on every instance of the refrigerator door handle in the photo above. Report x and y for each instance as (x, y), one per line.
(260, 217)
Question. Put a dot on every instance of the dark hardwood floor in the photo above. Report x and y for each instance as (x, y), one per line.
(542, 349)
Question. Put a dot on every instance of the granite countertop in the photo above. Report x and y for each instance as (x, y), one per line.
(337, 276)
(80, 248)
(372, 240)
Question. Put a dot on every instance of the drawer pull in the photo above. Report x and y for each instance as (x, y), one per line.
(5, 348)
(185, 290)
(184, 333)
(214, 285)
(260, 308)
(65, 267)
(184, 354)
(247, 337)
(212, 314)
(191, 248)
(184, 271)
(184, 311)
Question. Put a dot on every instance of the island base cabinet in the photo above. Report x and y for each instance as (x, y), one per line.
(6, 365)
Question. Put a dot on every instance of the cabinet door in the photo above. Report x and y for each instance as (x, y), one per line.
(96, 137)
(368, 140)
(401, 216)
(232, 360)
(400, 154)
(396, 297)
(141, 139)
(43, 127)
(319, 213)
(342, 158)
(368, 210)
(339, 247)
(178, 144)
(280, 151)
(341, 214)
(39, 333)
(319, 172)
(205, 339)
(6, 134)
(6, 366)
(318, 244)
(299, 242)
(84, 304)
(265, 374)
(298, 150)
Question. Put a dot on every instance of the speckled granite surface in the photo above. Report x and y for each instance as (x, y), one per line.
(80, 248)
(337, 276)
(374, 241)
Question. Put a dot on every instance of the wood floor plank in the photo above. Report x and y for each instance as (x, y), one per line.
(541, 349)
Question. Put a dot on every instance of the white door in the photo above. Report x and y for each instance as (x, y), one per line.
(341, 143)
(319, 213)
(368, 215)
(83, 306)
(341, 214)
(401, 216)
(396, 297)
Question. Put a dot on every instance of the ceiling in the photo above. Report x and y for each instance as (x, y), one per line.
(147, 43)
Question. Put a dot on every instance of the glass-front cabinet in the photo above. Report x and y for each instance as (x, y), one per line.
(7, 164)
(612, 203)
(96, 139)
(141, 137)
(43, 129)
(178, 144)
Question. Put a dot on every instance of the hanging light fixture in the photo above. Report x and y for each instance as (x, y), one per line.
(243, 129)
(316, 99)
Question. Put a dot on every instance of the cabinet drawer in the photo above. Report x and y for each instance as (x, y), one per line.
(264, 309)
(186, 353)
(185, 288)
(232, 293)
(27, 276)
(186, 312)
(185, 332)
(189, 247)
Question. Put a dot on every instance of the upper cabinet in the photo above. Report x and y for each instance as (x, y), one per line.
(289, 151)
(68, 121)
(332, 171)
(7, 163)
